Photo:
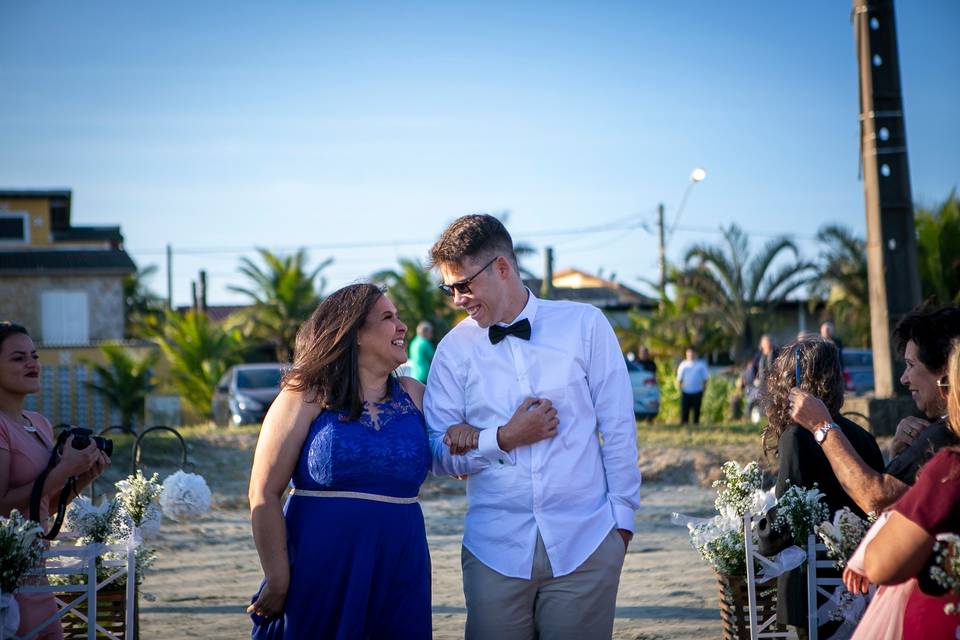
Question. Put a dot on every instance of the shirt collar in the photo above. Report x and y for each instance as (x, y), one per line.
(528, 312)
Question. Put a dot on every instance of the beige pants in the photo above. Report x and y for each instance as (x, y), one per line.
(577, 606)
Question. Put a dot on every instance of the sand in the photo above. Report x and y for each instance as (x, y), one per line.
(208, 569)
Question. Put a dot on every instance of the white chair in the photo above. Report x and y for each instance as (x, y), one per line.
(67, 560)
(816, 560)
(759, 628)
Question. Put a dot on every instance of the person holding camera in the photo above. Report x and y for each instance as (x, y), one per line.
(26, 446)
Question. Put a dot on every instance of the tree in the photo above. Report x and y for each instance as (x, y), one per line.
(143, 308)
(199, 352)
(842, 282)
(125, 381)
(417, 296)
(938, 250)
(736, 287)
(284, 295)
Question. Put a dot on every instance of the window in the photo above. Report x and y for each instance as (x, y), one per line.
(64, 317)
(14, 227)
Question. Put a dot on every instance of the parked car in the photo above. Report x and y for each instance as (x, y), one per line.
(245, 392)
(646, 392)
(858, 370)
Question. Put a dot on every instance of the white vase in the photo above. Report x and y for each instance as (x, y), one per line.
(9, 615)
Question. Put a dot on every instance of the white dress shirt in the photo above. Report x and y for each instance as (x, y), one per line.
(569, 487)
(692, 376)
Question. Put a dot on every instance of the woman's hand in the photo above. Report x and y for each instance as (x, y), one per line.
(76, 462)
(100, 465)
(269, 603)
(855, 582)
(461, 438)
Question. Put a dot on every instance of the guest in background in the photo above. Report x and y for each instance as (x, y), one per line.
(692, 376)
(645, 360)
(421, 351)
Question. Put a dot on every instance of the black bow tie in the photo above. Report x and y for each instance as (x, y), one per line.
(519, 329)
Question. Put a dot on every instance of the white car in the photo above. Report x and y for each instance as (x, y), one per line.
(646, 391)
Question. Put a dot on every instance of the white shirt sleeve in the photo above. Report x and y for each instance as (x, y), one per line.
(444, 404)
(612, 398)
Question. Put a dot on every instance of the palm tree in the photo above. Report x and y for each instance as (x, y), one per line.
(938, 250)
(736, 287)
(417, 296)
(284, 295)
(143, 308)
(842, 282)
(199, 352)
(125, 381)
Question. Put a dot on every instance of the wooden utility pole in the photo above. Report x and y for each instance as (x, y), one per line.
(892, 273)
(663, 257)
(546, 287)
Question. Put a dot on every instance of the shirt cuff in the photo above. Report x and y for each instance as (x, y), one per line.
(490, 450)
(624, 517)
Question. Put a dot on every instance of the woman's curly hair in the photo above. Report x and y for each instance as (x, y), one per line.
(820, 375)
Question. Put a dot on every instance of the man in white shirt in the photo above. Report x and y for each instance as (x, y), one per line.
(550, 510)
(692, 376)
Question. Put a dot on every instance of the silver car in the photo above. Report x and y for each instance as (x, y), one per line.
(646, 392)
(245, 392)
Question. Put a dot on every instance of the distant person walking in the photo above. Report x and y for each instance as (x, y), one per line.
(828, 332)
(692, 376)
(421, 351)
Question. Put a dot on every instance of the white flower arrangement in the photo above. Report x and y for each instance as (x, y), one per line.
(946, 567)
(21, 549)
(185, 496)
(138, 496)
(800, 510)
(720, 540)
(843, 535)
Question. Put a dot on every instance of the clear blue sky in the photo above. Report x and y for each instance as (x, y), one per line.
(224, 125)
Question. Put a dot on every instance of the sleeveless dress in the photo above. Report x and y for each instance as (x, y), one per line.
(359, 568)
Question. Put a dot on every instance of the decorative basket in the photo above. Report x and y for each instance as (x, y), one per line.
(111, 613)
(735, 606)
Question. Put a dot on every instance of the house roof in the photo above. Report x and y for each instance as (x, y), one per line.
(88, 234)
(36, 262)
(34, 193)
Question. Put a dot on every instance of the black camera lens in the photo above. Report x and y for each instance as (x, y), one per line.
(82, 438)
(105, 445)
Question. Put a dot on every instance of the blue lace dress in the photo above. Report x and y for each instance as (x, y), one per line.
(359, 568)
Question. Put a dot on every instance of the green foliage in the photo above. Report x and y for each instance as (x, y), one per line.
(676, 324)
(842, 282)
(716, 400)
(669, 391)
(938, 250)
(284, 294)
(125, 381)
(143, 308)
(736, 286)
(417, 297)
(199, 352)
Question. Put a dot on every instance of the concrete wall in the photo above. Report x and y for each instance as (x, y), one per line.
(20, 302)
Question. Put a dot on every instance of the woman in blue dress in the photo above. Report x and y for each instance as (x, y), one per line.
(347, 556)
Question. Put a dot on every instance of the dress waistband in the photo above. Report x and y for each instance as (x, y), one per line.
(352, 494)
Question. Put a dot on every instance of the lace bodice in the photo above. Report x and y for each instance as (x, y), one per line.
(390, 457)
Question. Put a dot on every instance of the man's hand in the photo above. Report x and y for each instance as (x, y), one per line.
(907, 431)
(534, 420)
(627, 537)
(807, 410)
(461, 438)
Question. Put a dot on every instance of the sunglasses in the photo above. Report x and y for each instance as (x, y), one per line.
(463, 286)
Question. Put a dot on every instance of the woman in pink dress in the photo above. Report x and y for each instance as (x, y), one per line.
(26, 442)
(902, 549)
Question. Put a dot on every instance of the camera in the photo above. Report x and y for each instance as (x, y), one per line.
(82, 438)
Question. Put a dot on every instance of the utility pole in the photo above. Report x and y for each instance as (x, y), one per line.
(169, 277)
(892, 274)
(546, 287)
(663, 257)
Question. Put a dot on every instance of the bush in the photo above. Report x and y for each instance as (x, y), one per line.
(716, 400)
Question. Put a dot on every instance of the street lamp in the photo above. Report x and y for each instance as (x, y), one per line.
(697, 175)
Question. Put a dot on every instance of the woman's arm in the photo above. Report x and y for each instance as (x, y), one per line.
(74, 462)
(281, 438)
(898, 552)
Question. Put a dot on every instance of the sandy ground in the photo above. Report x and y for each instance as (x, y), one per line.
(208, 569)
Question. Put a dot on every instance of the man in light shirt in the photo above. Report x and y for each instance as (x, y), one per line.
(692, 376)
(550, 510)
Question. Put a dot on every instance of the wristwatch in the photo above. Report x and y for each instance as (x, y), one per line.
(821, 434)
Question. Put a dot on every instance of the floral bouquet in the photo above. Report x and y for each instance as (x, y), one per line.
(139, 499)
(21, 549)
(946, 567)
(185, 496)
(720, 539)
(843, 535)
(799, 511)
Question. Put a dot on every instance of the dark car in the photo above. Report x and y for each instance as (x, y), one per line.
(245, 392)
(858, 370)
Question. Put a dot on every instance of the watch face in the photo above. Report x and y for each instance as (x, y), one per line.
(820, 435)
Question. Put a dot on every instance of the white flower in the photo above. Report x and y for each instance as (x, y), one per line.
(185, 496)
(763, 501)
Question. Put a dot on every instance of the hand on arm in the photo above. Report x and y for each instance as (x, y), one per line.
(907, 431)
(461, 438)
(534, 420)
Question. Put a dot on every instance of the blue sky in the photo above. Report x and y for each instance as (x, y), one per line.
(220, 126)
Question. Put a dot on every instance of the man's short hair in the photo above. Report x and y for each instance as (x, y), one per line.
(472, 236)
(932, 329)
